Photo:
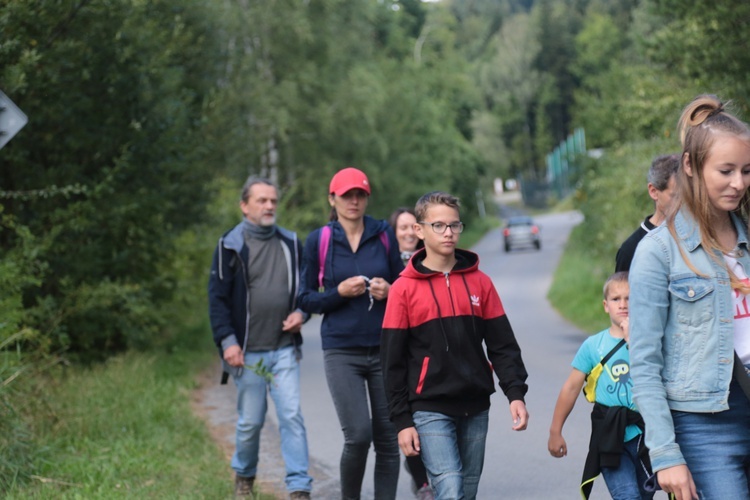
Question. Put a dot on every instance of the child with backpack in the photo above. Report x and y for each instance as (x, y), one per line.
(602, 369)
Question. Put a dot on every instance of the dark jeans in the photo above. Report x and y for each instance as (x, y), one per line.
(716, 447)
(352, 375)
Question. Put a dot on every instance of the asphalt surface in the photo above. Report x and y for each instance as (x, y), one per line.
(517, 464)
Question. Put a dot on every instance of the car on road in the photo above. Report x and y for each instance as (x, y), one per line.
(521, 231)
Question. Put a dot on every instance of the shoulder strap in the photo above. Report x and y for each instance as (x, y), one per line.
(323, 239)
(385, 241)
(323, 244)
(612, 352)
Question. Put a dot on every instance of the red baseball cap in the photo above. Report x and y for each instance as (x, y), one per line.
(348, 179)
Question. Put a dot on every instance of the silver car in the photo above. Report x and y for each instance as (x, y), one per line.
(521, 231)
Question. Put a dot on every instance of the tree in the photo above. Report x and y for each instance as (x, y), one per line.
(705, 43)
(114, 92)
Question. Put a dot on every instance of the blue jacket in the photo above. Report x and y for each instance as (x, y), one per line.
(681, 331)
(347, 322)
(228, 285)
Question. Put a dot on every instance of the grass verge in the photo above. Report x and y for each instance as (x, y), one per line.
(576, 290)
(124, 429)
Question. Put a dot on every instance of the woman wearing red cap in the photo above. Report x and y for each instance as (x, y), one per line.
(347, 270)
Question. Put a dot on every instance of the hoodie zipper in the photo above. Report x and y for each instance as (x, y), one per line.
(450, 294)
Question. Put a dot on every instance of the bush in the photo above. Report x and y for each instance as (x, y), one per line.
(613, 200)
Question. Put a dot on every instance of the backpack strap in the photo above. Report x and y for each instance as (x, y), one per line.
(324, 242)
(386, 242)
(612, 352)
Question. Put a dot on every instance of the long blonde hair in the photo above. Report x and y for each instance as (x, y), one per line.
(700, 123)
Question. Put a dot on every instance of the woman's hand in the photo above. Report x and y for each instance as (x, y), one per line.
(352, 287)
(679, 481)
(379, 288)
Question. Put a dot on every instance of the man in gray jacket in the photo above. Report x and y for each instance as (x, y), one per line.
(256, 326)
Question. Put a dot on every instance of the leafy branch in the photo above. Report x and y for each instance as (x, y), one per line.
(261, 370)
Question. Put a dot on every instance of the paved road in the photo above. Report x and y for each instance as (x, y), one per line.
(517, 465)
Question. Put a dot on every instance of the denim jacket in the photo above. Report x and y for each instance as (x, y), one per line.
(681, 331)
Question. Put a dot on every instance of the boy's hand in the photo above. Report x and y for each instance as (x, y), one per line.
(408, 441)
(379, 288)
(557, 446)
(624, 326)
(519, 415)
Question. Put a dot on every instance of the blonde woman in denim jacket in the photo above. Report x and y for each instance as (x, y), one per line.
(689, 313)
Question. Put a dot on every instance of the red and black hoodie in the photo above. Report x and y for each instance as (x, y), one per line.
(431, 344)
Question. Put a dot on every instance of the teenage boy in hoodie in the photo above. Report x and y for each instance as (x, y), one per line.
(437, 377)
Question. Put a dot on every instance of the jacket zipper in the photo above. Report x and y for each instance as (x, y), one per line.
(450, 294)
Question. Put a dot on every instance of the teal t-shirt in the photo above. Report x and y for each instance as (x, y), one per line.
(615, 387)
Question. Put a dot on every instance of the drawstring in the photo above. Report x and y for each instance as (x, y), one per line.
(440, 314)
(471, 303)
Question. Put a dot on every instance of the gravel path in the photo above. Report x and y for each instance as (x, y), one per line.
(216, 405)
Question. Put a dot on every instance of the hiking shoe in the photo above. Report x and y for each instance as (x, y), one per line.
(243, 487)
(425, 493)
(299, 495)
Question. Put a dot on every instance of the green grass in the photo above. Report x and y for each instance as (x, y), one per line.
(576, 290)
(124, 429)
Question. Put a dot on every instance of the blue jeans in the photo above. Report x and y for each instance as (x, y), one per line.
(716, 447)
(452, 452)
(626, 481)
(252, 405)
(347, 373)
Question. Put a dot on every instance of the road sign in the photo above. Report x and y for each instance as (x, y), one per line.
(12, 119)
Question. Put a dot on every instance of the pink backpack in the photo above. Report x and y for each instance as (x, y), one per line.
(323, 243)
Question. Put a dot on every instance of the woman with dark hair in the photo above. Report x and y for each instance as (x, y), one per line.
(347, 271)
(402, 221)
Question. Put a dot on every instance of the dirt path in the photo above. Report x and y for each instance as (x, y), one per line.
(216, 405)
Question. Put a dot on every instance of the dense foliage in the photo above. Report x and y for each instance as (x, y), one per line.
(136, 108)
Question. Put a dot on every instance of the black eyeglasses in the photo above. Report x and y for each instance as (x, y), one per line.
(440, 227)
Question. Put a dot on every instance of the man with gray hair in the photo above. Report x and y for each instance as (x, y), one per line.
(661, 189)
(256, 326)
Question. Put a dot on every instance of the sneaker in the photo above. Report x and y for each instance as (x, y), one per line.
(243, 487)
(425, 493)
(299, 495)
